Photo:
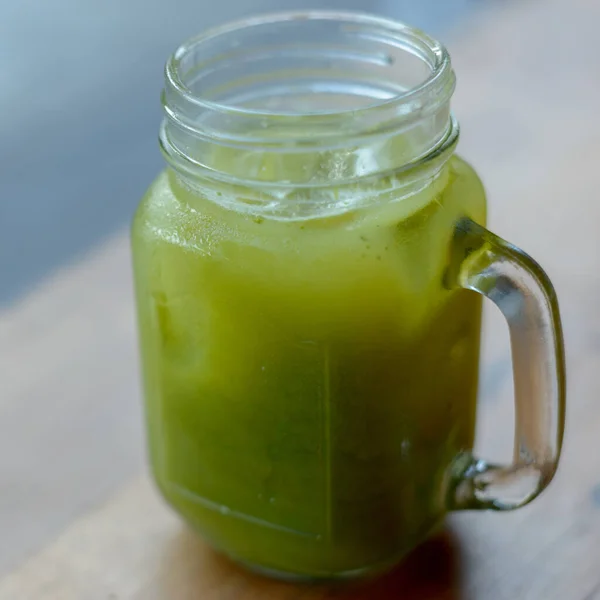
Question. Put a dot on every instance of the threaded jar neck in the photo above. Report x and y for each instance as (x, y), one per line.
(306, 99)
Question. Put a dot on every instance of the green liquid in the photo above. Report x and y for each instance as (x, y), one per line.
(308, 382)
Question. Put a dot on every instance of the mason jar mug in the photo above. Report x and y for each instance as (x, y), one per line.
(309, 271)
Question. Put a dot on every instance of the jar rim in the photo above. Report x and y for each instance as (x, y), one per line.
(426, 97)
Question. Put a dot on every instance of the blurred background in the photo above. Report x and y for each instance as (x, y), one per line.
(79, 88)
(80, 84)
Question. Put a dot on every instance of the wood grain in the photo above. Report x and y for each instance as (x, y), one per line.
(528, 97)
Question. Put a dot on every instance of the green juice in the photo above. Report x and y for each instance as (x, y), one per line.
(310, 380)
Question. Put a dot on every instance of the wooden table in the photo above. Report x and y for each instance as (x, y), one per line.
(79, 519)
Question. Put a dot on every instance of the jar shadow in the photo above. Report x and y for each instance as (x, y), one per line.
(190, 570)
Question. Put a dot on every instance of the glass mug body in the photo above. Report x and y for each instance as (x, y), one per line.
(309, 349)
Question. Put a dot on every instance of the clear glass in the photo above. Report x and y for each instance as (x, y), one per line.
(306, 270)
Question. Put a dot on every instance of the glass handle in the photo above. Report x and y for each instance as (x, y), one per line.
(483, 262)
